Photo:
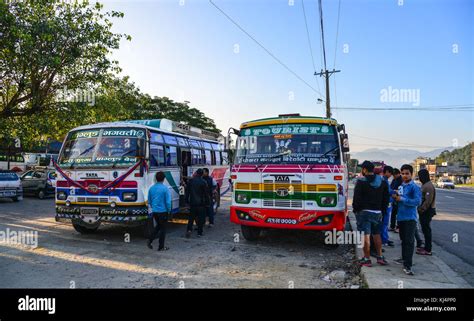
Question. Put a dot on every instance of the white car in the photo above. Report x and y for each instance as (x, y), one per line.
(445, 183)
(10, 186)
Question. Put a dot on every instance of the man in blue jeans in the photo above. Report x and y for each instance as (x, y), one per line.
(159, 201)
(408, 198)
(370, 198)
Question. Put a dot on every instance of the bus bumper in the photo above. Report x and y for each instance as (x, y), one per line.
(289, 219)
(125, 215)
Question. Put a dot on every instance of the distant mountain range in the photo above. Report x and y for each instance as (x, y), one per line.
(395, 157)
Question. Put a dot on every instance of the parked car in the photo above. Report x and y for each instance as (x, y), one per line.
(10, 185)
(445, 183)
(39, 182)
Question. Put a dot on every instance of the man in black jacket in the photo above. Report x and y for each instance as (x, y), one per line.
(197, 196)
(371, 197)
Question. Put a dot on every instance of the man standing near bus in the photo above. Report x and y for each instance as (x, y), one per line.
(408, 198)
(370, 199)
(159, 200)
(197, 196)
(211, 184)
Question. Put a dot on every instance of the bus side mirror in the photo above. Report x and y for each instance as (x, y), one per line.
(345, 143)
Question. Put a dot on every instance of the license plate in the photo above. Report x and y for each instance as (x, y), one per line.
(275, 220)
(89, 211)
(7, 193)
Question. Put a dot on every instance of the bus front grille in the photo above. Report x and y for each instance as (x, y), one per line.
(92, 200)
(283, 203)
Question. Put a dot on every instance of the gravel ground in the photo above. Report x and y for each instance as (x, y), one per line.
(116, 257)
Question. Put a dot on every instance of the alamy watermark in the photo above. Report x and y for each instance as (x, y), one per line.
(13, 237)
(76, 96)
(336, 237)
(395, 95)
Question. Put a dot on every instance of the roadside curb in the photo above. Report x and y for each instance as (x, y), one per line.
(391, 276)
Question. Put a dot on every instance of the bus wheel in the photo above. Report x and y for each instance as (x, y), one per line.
(85, 230)
(15, 199)
(250, 233)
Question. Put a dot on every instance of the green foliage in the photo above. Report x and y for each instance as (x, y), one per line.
(462, 155)
(50, 48)
(49, 45)
(117, 99)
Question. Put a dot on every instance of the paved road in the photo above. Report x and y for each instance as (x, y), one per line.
(65, 258)
(453, 229)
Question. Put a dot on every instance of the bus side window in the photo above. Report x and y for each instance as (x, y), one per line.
(218, 158)
(213, 158)
(157, 156)
(171, 157)
(208, 157)
(203, 157)
(196, 160)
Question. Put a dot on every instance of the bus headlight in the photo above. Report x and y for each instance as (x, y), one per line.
(328, 200)
(129, 197)
(242, 198)
(61, 196)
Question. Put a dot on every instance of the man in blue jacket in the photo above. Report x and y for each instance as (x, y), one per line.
(408, 198)
(159, 201)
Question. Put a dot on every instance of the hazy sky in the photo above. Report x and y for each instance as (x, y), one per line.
(188, 50)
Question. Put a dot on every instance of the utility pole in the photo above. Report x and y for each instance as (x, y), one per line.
(326, 75)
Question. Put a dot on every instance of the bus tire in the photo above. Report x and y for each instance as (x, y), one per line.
(85, 230)
(250, 233)
(15, 199)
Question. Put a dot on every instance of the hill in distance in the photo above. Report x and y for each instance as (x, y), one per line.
(396, 157)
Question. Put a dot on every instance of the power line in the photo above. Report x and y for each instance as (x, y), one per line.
(322, 32)
(337, 33)
(465, 107)
(335, 49)
(396, 142)
(309, 43)
(265, 49)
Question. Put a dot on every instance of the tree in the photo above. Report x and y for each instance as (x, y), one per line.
(47, 46)
(462, 155)
(117, 99)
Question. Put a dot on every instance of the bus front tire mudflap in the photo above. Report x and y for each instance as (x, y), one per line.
(250, 233)
(85, 229)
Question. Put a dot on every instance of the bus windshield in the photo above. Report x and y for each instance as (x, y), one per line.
(103, 147)
(289, 144)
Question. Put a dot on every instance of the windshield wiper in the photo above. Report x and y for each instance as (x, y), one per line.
(288, 152)
(329, 151)
(122, 156)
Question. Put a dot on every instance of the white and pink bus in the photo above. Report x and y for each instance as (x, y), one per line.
(104, 170)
